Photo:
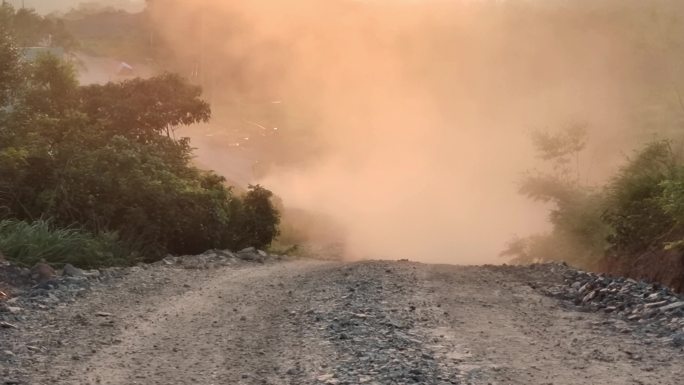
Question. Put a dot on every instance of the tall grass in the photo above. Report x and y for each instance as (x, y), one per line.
(28, 243)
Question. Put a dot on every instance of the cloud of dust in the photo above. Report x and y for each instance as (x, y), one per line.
(419, 111)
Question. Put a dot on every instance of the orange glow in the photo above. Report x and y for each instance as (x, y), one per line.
(419, 111)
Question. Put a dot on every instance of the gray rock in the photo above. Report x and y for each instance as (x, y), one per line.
(14, 309)
(92, 273)
(643, 308)
(672, 306)
(655, 304)
(7, 325)
(589, 296)
(250, 254)
(72, 271)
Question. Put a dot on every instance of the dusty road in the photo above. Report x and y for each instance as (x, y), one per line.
(312, 322)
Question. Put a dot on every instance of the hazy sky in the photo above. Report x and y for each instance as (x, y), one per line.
(46, 6)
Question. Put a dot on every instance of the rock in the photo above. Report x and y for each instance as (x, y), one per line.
(103, 314)
(42, 272)
(250, 254)
(50, 284)
(678, 340)
(672, 306)
(14, 309)
(226, 254)
(589, 296)
(262, 253)
(648, 308)
(7, 325)
(92, 273)
(655, 304)
(72, 271)
(584, 288)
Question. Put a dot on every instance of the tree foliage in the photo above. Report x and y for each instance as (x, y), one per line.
(578, 234)
(31, 29)
(9, 58)
(640, 211)
(104, 158)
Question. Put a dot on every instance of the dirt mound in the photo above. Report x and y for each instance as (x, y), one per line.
(665, 267)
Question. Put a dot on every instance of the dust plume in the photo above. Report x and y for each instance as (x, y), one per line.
(407, 122)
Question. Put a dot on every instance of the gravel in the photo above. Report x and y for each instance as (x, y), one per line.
(241, 318)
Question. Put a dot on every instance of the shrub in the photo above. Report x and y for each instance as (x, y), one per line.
(260, 217)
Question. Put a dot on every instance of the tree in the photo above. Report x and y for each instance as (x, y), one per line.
(578, 232)
(31, 29)
(103, 158)
(144, 109)
(9, 60)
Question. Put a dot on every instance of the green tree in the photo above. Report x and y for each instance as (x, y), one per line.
(9, 60)
(103, 158)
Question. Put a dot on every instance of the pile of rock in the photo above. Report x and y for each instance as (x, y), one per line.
(43, 288)
(649, 307)
(218, 258)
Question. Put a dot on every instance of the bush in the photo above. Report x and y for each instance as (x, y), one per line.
(28, 243)
(643, 200)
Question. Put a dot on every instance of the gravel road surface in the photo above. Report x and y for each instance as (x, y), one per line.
(316, 322)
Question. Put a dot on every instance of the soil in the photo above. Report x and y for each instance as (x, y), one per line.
(322, 322)
(663, 266)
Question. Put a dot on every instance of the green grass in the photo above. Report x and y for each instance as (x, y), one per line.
(28, 243)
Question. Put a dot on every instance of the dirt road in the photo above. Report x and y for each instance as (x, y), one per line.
(308, 322)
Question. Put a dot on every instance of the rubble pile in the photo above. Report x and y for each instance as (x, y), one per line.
(648, 307)
(31, 291)
(218, 258)
(43, 288)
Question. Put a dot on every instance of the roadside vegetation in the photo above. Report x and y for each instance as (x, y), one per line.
(638, 212)
(94, 175)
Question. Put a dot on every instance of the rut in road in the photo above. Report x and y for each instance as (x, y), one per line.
(309, 322)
